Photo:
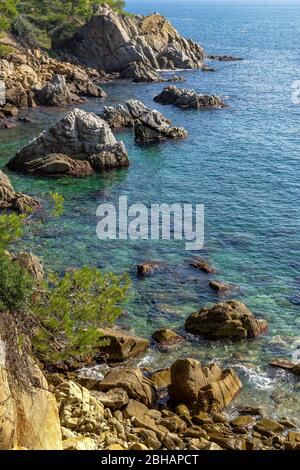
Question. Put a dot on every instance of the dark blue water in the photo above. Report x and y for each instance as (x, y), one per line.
(241, 162)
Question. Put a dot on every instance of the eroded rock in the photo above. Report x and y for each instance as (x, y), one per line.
(188, 99)
(118, 41)
(9, 199)
(78, 135)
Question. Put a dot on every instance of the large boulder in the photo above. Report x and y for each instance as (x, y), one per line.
(28, 411)
(112, 41)
(133, 381)
(119, 346)
(78, 135)
(188, 99)
(9, 199)
(230, 319)
(58, 164)
(149, 125)
(205, 389)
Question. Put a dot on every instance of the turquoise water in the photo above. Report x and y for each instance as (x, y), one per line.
(242, 163)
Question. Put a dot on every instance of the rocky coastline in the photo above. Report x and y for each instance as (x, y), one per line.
(182, 407)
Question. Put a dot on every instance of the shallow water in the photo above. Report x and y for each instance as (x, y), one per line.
(241, 162)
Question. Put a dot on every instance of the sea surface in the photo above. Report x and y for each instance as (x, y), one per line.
(242, 163)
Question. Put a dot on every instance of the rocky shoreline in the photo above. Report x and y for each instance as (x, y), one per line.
(182, 407)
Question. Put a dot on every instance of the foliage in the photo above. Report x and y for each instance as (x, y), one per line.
(15, 282)
(73, 308)
(48, 24)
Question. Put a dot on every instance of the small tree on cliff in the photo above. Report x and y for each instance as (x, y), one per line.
(73, 308)
(65, 312)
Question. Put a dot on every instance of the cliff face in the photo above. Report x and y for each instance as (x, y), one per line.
(111, 41)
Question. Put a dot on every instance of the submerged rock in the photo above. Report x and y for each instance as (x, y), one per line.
(188, 99)
(230, 319)
(56, 93)
(78, 135)
(121, 345)
(140, 72)
(9, 199)
(149, 125)
(112, 41)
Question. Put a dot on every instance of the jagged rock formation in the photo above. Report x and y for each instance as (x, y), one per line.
(79, 136)
(25, 72)
(56, 93)
(9, 199)
(58, 164)
(230, 319)
(149, 125)
(188, 99)
(115, 42)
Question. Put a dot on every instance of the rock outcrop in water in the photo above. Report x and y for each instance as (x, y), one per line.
(188, 99)
(10, 199)
(116, 42)
(79, 136)
(149, 125)
(230, 319)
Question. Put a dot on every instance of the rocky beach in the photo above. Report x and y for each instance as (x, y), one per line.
(203, 353)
